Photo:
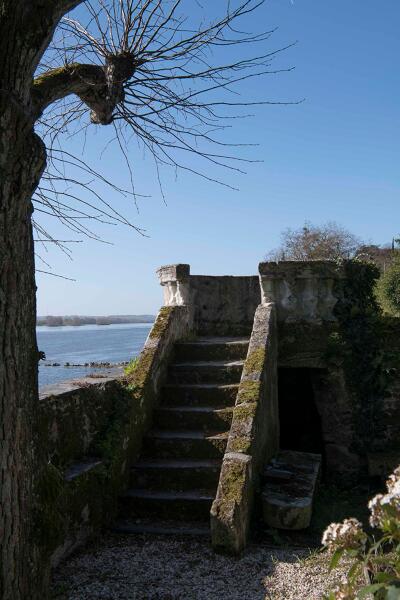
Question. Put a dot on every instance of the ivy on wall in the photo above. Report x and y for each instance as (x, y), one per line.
(357, 347)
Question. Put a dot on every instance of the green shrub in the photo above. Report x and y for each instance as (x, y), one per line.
(388, 289)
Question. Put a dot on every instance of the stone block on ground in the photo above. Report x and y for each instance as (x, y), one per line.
(288, 492)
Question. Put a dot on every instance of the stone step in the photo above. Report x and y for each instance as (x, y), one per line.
(184, 444)
(212, 348)
(288, 492)
(167, 504)
(206, 418)
(206, 372)
(162, 527)
(177, 474)
(203, 394)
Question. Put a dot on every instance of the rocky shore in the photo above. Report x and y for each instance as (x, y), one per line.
(89, 365)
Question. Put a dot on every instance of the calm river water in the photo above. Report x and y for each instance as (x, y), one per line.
(87, 343)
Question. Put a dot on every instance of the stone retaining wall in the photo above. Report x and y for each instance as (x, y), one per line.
(94, 432)
(73, 413)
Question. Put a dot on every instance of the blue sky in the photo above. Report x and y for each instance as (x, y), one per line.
(333, 157)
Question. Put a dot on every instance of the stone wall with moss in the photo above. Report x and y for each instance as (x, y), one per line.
(72, 414)
(354, 367)
(253, 437)
(89, 436)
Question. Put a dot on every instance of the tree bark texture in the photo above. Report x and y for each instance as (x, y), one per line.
(25, 31)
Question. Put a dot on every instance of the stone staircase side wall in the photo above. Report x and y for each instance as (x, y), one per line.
(253, 437)
(94, 433)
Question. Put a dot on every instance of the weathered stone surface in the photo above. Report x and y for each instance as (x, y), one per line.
(253, 437)
(205, 371)
(230, 509)
(177, 272)
(175, 280)
(304, 345)
(200, 394)
(177, 474)
(212, 348)
(184, 444)
(93, 433)
(302, 291)
(224, 305)
(290, 482)
(73, 413)
(335, 408)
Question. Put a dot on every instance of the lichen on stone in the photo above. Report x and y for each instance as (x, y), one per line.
(232, 483)
(161, 323)
(254, 362)
(240, 444)
(249, 391)
(244, 411)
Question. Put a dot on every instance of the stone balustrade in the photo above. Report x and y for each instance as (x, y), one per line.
(302, 291)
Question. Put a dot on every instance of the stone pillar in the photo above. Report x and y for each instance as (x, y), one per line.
(175, 281)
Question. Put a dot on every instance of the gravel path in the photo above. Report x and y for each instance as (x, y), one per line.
(159, 568)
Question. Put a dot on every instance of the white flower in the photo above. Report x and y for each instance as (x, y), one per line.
(393, 483)
(348, 534)
(385, 508)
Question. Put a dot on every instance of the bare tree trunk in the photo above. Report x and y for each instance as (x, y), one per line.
(20, 167)
(22, 159)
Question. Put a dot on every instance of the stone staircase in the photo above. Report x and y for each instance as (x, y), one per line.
(174, 483)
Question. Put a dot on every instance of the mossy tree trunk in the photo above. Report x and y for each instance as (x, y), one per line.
(25, 31)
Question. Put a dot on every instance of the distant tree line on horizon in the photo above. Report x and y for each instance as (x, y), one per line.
(75, 320)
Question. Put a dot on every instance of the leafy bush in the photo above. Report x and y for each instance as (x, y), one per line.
(388, 289)
(375, 563)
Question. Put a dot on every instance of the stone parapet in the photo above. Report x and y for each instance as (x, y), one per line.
(220, 304)
(302, 291)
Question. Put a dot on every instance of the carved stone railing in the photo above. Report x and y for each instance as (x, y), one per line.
(302, 291)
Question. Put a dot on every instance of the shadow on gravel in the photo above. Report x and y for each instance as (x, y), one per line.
(159, 568)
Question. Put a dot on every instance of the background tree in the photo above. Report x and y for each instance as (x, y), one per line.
(134, 65)
(381, 256)
(388, 287)
(316, 242)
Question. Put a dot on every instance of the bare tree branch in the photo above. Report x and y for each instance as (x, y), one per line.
(71, 79)
(161, 78)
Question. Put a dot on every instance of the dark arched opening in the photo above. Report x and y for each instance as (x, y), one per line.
(300, 422)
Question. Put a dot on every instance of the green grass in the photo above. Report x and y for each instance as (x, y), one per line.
(131, 366)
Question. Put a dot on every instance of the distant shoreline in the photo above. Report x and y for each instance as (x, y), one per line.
(78, 321)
